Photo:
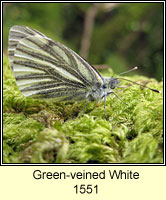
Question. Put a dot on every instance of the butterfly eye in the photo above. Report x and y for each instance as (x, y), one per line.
(104, 86)
(114, 83)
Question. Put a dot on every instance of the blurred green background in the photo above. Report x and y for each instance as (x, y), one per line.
(108, 35)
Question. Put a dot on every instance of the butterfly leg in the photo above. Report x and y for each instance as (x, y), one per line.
(106, 116)
(119, 98)
(83, 108)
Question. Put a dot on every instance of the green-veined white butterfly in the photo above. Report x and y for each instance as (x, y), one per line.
(46, 69)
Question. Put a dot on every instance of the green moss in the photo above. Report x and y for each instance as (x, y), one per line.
(50, 145)
(35, 131)
(90, 140)
(142, 149)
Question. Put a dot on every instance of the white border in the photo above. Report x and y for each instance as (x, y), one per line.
(67, 164)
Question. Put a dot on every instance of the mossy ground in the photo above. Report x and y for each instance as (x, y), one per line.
(36, 131)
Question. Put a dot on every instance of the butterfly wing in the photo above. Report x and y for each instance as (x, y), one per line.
(44, 68)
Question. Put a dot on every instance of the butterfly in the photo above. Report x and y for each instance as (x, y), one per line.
(46, 69)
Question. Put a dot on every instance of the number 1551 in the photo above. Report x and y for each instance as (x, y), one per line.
(82, 189)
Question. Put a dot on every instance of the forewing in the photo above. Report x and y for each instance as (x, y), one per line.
(44, 68)
(16, 34)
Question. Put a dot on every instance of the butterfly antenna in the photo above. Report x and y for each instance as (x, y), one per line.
(134, 68)
(141, 85)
